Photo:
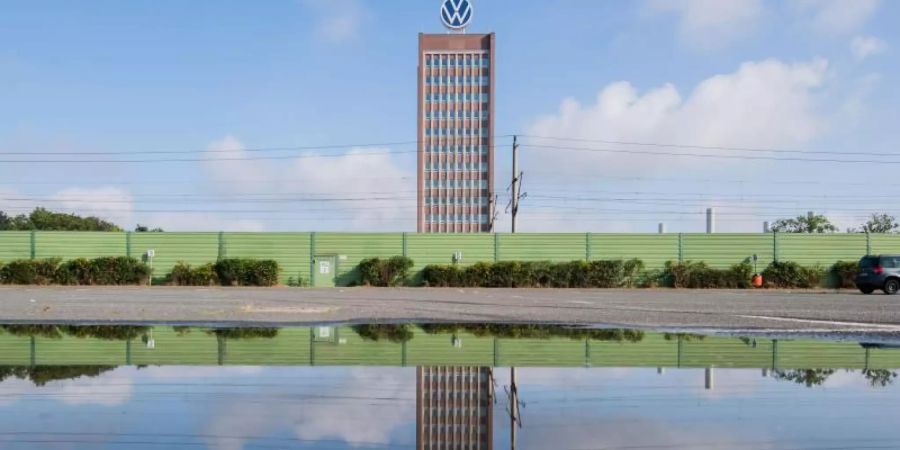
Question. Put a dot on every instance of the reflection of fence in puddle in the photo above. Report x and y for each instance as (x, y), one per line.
(332, 346)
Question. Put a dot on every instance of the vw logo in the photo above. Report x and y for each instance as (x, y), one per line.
(456, 14)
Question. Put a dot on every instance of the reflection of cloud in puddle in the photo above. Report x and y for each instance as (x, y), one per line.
(194, 372)
(80, 391)
(623, 431)
(359, 406)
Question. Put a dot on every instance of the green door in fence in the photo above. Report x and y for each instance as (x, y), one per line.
(324, 267)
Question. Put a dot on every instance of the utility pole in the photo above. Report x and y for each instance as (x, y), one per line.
(516, 186)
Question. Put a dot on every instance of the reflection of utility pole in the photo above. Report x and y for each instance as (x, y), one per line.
(515, 416)
(710, 379)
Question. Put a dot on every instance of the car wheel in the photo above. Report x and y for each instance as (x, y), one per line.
(891, 286)
(867, 290)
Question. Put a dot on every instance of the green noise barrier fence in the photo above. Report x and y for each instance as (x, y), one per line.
(296, 252)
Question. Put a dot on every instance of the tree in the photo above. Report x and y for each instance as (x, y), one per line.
(879, 377)
(806, 377)
(44, 220)
(811, 223)
(878, 223)
(145, 229)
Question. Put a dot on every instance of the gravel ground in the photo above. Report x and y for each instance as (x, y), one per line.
(804, 311)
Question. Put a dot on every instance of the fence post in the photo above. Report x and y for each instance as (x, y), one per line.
(222, 251)
(405, 250)
(680, 247)
(868, 244)
(312, 259)
(128, 244)
(775, 246)
(588, 251)
(496, 247)
(33, 244)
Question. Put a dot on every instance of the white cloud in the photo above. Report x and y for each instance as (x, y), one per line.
(865, 46)
(837, 16)
(710, 23)
(362, 189)
(337, 21)
(763, 104)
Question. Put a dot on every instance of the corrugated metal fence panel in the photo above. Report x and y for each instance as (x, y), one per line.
(653, 249)
(438, 350)
(425, 249)
(291, 250)
(356, 247)
(819, 354)
(184, 346)
(70, 245)
(15, 350)
(725, 250)
(553, 352)
(15, 245)
(822, 249)
(68, 351)
(289, 347)
(170, 248)
(884, 358)
(652, 351)
(541, 247)
(884, 244)
(352, 350)
(714, 351)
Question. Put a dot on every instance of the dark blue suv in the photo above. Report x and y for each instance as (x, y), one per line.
(879, 272)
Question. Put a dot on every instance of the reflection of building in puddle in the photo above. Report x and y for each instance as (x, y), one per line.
(454, 408)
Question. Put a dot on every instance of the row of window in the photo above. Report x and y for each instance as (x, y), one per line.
(454, 80)
(483, 149)
(457, 61)
(457, 166)
(454, 184)
(456, 218)
(464, 201)
(457, 114)
(456, 132)
(457, 97)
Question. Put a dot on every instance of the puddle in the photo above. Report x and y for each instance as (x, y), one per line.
(433, 386)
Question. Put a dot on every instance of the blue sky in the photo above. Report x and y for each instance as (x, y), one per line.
(106, 76)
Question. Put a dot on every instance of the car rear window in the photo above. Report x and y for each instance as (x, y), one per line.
(868, 263)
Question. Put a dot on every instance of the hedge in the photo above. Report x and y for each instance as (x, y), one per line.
(698, 275)
(788, 274)
(517, 274)
(226, 272)
(385, 272)
(103, 271)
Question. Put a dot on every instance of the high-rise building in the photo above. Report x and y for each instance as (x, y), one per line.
(454, 408)
(455, 133)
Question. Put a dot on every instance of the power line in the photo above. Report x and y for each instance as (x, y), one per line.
(712, 147)
(704, 155)
(251, 158)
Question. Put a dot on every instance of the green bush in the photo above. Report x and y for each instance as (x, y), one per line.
(29, 271)
(843, 274)
(788, 274)
(536, 274)
(185, 275)
(438, 275)
(247, 272)
(78, 271)
(118, 270)
(698, 275)
(393, 271)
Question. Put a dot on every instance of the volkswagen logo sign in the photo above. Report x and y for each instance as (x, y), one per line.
(456, 14)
